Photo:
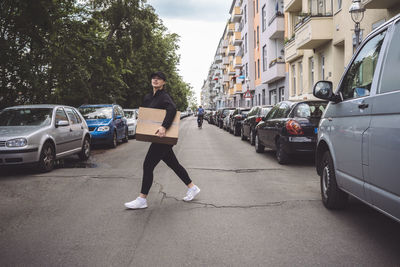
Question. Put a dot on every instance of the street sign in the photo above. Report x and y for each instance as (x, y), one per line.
(247, 94)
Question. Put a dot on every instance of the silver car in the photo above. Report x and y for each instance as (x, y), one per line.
(41, 134)
(131, 118)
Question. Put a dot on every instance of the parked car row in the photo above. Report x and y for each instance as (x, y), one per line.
(42, 134)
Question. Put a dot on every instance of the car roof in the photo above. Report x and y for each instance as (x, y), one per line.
(37, 106)
(98, 105)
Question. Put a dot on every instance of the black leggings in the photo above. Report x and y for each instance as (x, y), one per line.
(156, 153)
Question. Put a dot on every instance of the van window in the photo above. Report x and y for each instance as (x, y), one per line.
(358, 79)
(390, 75)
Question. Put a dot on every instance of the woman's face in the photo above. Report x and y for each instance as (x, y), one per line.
(157, 82)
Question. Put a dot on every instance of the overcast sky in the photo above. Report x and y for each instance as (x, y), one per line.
(200, 24)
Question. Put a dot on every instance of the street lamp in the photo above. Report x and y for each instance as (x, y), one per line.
(357, 14)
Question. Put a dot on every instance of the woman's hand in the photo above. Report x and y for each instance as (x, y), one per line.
(161, 132)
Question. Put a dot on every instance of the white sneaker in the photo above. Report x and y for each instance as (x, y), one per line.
(191, 193)
(138, 203)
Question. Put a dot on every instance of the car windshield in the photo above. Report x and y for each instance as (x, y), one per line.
(129, 114)
(311, 109)
(26, 117)
(93, 113)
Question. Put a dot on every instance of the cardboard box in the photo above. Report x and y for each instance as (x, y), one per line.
(149, 120)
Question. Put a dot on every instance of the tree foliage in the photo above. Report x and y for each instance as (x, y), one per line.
(75, 52)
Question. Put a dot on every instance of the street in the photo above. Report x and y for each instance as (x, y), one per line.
(251, 211)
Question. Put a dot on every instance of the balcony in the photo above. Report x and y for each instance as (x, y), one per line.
(237, 39)
(314, 32)
(276, 70)
(238, 88)
(218, 59)
(291, 52)
(231, 70)
(276, 27)
(238, 63)
(226, 78)
(236, 14)
(292, 5)
(225, 61)
(231, 28)
(231, 91)
(379, 4)
(225, 43)
(230, 50)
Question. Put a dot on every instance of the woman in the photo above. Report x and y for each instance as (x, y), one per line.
(161, 100)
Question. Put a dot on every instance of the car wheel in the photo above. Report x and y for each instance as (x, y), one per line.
(332, 196)
(259, 147)
(281, 155)
(47, 158)
(126, 138)
(242, 136)
(114, 141)
(85, 152)
(252, 141)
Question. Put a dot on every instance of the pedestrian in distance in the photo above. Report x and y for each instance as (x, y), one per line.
(160, 99)
(200, 116)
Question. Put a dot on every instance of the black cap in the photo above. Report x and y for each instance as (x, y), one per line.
(159, 74)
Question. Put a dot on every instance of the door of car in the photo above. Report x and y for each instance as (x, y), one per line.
(264, 126)
(118, 123)
(383, 171)
(246, 122)
(63, 134)
(349, 119)
(275, 124)
(76, 128)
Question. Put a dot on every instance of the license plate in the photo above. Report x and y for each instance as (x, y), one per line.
(316, 130)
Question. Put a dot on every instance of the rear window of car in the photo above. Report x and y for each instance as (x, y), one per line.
(264, 111)
(309, 110)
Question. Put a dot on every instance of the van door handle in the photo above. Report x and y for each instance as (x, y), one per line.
(363, 105)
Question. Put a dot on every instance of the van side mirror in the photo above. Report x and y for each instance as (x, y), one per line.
(324, 90)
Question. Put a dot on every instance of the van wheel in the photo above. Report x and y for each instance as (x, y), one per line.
(281, 155)
(114, 141)
(85, 152)
(332, 196)
(47, 158)
(242, 136)
(259, 147)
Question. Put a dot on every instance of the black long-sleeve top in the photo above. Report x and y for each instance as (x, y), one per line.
(161, 100)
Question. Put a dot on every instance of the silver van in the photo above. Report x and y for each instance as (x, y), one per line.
(358, 147)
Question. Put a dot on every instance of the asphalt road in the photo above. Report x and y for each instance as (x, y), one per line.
(251, 212)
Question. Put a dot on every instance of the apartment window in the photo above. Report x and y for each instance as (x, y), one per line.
(254, 9)
(259, 99)
(255, 42)
(255, 70)
(300, 78)
(245, 42)
(339, 4)
(264, 18)
(264, 55)
(322, 67)
(257, 6)
(281, 94)
(311, 63)
(263, 96)
(245, 14)
(272, 97)
(247, 70)
(258, 68)
(294, 79)
(258, 37)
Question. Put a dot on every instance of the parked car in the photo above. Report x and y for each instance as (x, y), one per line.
(211, 117)
(254, 116)
(358, 146)
(227, 120)
(221, 114)
(131, 116)
(290, 128)
(236, 120)
(107, 123)
(41, 134)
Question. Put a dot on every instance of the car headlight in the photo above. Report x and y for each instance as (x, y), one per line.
(17, 142)
(103, 128)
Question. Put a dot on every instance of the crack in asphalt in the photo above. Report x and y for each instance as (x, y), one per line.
(210, 205)
(243, 170)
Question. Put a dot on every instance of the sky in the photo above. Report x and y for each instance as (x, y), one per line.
(200, 25)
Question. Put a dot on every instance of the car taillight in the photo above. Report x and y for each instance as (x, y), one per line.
(258, 119)
(293, 127)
